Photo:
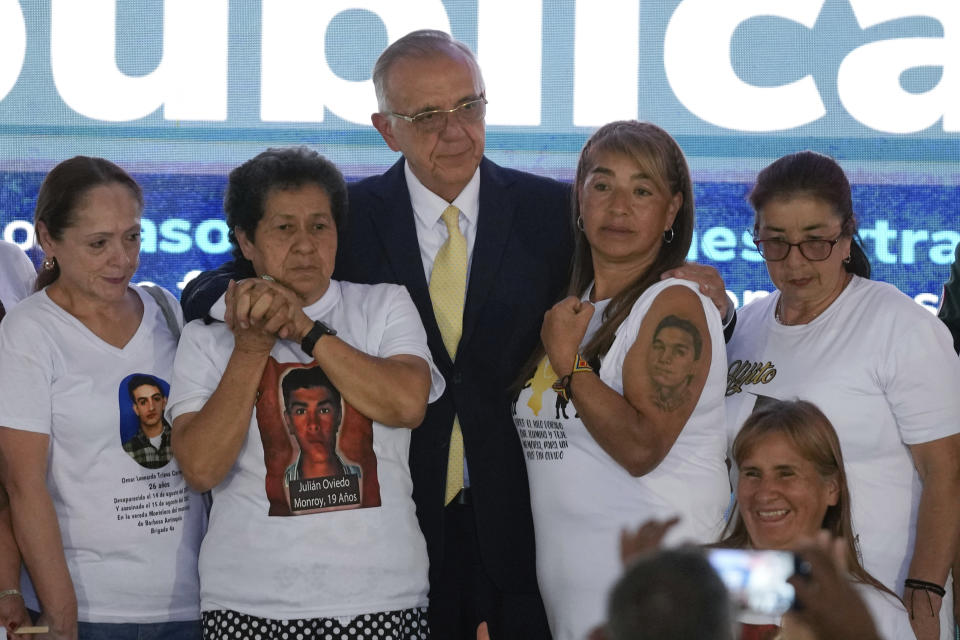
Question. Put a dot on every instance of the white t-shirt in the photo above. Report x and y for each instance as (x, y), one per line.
(883, 370)
(368, 558)
(131, 535)
(888, 613)
(582, 498)
(17, 274)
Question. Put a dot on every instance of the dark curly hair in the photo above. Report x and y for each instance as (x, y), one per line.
(285, 168)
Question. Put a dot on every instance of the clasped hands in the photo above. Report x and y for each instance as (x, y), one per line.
(260, 310)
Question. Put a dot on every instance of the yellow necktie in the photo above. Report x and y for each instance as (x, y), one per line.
(448, 286)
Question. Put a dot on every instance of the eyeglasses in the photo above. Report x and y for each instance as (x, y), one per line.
(775, 250)
(435, 120)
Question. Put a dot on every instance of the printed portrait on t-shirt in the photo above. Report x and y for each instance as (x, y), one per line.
(318, 450)
(144, 432)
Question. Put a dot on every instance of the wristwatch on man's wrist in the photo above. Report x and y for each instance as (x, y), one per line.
(310, 340)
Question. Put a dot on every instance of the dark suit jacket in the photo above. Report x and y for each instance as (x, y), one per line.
(519, 268)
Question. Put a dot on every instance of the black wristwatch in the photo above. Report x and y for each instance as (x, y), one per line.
(310, 340)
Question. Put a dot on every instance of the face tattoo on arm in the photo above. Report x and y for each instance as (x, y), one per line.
(671, 362)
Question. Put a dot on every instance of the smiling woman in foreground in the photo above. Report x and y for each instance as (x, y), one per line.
(791, 485)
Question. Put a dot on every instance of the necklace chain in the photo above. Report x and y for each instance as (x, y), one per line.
(778, 315)
(777, 310)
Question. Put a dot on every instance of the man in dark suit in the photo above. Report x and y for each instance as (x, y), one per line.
(514, 235)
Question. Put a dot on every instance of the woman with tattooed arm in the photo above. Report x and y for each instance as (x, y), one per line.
(641, 360)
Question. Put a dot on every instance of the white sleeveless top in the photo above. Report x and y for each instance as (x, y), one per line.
(582, 498)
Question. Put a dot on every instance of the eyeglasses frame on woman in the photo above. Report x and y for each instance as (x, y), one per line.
(803, 246)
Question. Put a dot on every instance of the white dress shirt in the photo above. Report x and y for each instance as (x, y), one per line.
(428, 208)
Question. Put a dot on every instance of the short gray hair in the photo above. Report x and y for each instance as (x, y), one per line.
(416, 44)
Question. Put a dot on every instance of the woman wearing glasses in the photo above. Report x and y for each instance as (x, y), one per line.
(880, 367)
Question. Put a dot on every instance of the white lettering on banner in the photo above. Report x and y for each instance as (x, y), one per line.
(510, 52)
(868, 81)
(696, 57)
(190, 83)
(298, 85)
(210, 236)
(606, 55)
(716, 244)
(881, 235)
(13, 44)
(175, 235)
(719, 243)
(178, 240)
(10, 233)
(296, 81)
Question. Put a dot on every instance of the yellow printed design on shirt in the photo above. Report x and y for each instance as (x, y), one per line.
(743, 372)
(542, 380)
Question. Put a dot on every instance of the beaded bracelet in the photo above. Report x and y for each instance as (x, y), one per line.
(928, 587)
(562, 386)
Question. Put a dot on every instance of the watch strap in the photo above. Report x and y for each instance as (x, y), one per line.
(316, 332)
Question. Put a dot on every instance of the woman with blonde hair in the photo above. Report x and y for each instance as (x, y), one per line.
(791, 485)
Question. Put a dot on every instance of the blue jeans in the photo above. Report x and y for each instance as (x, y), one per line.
(189, 630)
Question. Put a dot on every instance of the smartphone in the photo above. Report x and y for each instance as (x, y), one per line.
(757, 581)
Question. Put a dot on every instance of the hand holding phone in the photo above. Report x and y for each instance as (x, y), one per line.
(757, 581)
(828, 603)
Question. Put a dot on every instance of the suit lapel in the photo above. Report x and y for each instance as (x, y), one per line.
(494, 225)
(395, 226)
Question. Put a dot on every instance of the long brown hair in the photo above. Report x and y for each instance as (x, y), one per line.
(62, 192)
(810, 433)
(661, 158)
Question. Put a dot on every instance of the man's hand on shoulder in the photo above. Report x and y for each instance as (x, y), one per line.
(709, 281)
